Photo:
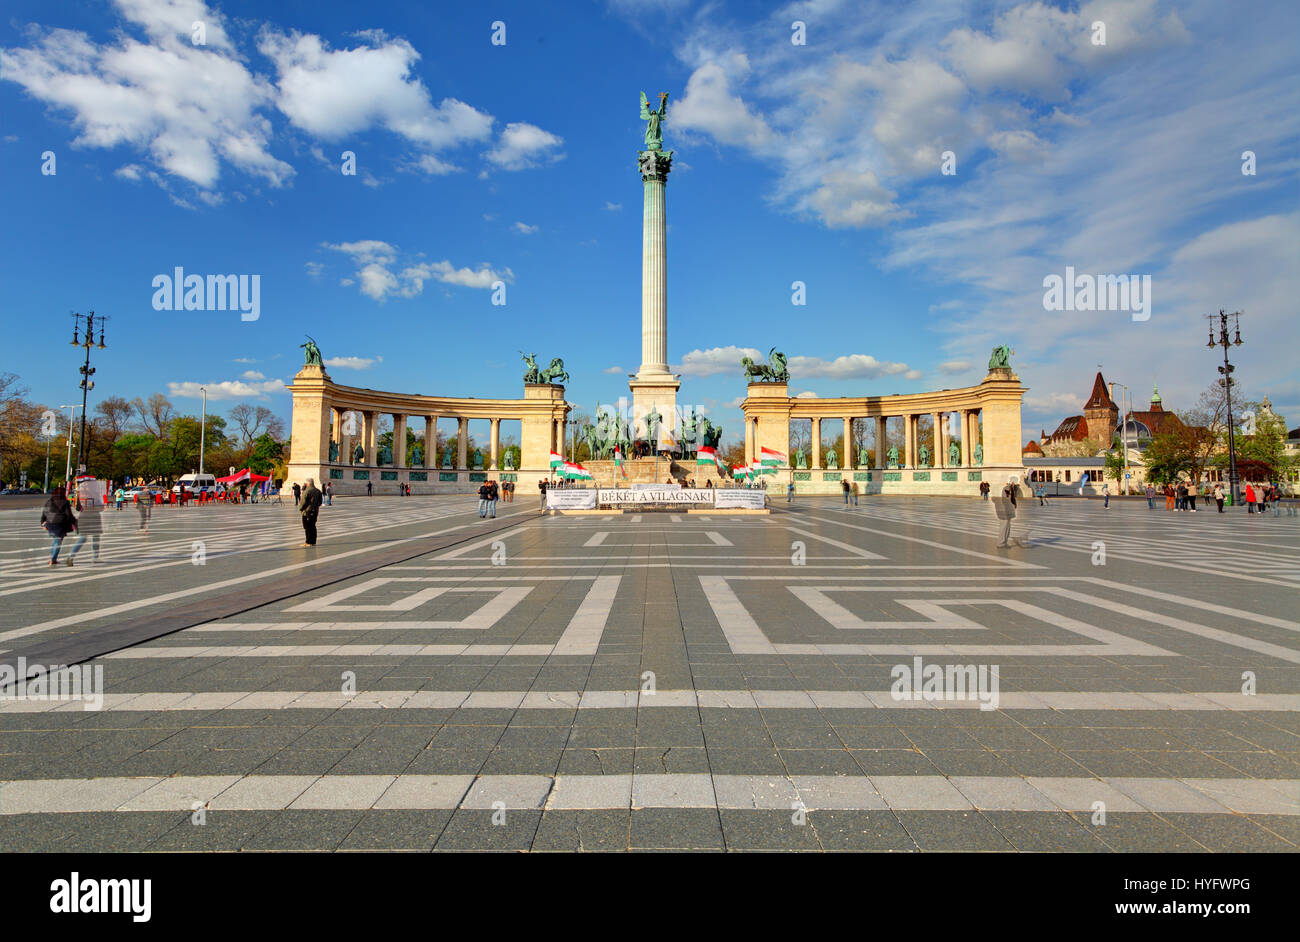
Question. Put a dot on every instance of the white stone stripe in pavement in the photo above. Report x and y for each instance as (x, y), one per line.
(153, 702)
(680, 790)
(581, 636)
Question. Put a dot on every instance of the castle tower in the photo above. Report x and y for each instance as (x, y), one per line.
(1101, 413)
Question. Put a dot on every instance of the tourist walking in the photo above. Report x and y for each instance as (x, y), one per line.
(144, 504)
(1250, 498)
(1180, 499)
(297, 493)
(494, 494)
(984, 489)
(1218, 496)
(844, 485)
(1191, 497)
(789, 492)
(119, 495)
(310, 510)
(1151, 497)
(541, 487)
(329, 493)
(1005, 509)
(482, 500)
(89, 524)
(369, 488)
(58, 520)
(1169, 497)
(855, 493)
(1105, 497)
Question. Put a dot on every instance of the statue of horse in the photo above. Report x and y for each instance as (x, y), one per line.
(756, 372)
(530, 361)
(554, 373)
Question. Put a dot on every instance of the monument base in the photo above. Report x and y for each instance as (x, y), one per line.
(658, 393)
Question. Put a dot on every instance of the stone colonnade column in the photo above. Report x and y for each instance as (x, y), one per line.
(462, 443)
(372, 439)
(974, 432)
(655, 166)
(967, 448)
(815, 459)
(399, 440)
(430, 441)
(848, 462)
(882, 446)
(909, 439)
(936, 419)
(495, 447)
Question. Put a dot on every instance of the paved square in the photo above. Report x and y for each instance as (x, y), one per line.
(877, 677)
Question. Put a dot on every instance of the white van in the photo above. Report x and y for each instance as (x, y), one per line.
(196, 484)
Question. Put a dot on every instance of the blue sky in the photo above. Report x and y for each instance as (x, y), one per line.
(818, 163)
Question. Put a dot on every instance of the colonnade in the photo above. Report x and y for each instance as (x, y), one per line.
(910, 453)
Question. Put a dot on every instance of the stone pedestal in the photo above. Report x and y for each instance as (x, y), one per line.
(659, 393)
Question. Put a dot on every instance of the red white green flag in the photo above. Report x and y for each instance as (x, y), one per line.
(557, 461)
(706, 455)
(771, 458)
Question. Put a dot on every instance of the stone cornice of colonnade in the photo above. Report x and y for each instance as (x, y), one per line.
(361, 399)
(1001, 385)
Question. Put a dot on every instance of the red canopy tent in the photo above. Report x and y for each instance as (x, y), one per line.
(244, 475)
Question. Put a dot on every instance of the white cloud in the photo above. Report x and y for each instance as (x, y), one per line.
(352, 363)
(715, 360)
(186, 108)
(251, 375)
(612, 370)
(376, 259)
(710, 106)
(952, 367)
(851, 366)
(227, 389)
(613, 207)
(334, 93)
(523, 228)
(524, 145)
(314, 269)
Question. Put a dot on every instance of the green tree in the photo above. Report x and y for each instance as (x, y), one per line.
(264, 454)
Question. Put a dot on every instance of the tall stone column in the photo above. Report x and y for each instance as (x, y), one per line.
(495, 447)
(882, 444)
(936, 419)
(430, 441)
(399, 440)
(654, 387)
(462, 444)
(847, 463)
(910, 438)
(815, 459)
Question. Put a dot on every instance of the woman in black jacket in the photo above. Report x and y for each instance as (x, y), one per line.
(58, 520)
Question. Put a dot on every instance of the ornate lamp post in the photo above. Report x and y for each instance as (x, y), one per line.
(87, 371)
(1123, 426)
(1226, 382)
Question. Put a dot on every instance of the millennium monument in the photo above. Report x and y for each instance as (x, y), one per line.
(653, 387)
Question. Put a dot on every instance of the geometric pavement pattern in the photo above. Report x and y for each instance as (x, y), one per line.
(647, 681)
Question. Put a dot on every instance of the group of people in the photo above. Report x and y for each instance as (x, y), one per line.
(488, 495)
(1260, 497)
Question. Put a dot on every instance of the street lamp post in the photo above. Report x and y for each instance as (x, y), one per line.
(1226, 382)
(1123, 425)
(87, 371)
(72, 417)
(203, 426)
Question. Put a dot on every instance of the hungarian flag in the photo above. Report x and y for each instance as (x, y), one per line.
(772, 459)
(618, 460)
(740, 472)
(576, 472)
(556, 460)
(706, 455)
(756, 468)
